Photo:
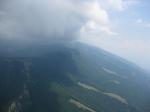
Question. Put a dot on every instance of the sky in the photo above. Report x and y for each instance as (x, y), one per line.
(121, 27)
(126, 31)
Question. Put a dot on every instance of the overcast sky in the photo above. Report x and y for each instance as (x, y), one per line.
(119, 26)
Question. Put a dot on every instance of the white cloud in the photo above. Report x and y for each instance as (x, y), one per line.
(48, 18)
(98, 19)
(109, 32)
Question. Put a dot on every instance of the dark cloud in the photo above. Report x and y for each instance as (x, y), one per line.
(39, 21)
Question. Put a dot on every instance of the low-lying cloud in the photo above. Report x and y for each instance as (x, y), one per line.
(39, 20)
(51, 20)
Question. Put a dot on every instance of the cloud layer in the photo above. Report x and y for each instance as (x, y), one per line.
(52, 19)
(30, 19)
